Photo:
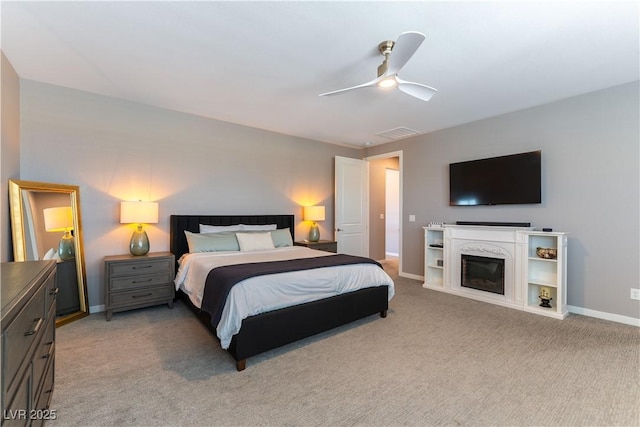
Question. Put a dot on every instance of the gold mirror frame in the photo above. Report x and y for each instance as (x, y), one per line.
(24, 232)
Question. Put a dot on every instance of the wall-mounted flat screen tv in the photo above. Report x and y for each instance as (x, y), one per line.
(504, 180)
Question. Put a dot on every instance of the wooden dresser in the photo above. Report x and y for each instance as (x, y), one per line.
(28, 341)
(138, 281)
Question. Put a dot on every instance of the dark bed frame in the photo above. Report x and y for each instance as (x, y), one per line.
(273, 329)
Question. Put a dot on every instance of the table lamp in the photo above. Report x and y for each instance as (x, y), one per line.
(61, 219)
(139, 213)
(313, 214)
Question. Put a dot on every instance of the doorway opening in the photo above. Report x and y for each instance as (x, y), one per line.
(385, 207)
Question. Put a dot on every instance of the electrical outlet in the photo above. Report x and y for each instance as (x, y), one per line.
(635, 293)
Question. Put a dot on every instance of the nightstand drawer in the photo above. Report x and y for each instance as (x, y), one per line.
(142, 295)
(322, 245)
(136, 282)
(328, 247)
(146, 266)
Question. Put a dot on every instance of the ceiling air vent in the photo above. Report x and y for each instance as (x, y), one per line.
(398, 133)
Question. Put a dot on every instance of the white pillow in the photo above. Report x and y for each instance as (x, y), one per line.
(49, 255)
(266, 227)
(254, 241)
(219, 228)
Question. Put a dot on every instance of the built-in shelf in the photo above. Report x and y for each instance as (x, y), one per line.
(434, 273)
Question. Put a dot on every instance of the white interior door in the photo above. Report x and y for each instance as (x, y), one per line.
(352, 206)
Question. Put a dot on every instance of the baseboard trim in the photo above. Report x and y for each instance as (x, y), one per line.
(96, 308)
(411, 276)
(604, 316)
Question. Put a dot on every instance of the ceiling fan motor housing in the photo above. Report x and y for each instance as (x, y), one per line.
(385, 49)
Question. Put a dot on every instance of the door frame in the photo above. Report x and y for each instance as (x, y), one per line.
(399, 155)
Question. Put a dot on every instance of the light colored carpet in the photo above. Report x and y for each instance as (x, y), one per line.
(436, 359)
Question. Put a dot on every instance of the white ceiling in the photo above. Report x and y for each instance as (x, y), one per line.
(263, 64)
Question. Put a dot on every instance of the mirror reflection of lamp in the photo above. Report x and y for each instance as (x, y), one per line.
(139, 213)
(61, 219)
(313, 214)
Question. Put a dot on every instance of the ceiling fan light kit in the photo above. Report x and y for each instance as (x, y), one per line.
(396, 54)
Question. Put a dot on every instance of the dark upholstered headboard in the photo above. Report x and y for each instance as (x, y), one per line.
(179, 223)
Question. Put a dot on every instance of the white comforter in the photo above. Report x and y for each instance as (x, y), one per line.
(271, 292)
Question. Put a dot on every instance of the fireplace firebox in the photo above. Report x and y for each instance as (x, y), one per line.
(483, 273)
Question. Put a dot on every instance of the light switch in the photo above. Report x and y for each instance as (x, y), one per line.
(412, 218)
(381, 216)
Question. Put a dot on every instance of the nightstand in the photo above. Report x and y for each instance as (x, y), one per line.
(321, 245)
(138, 281)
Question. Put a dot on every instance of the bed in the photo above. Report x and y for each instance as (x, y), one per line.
(271, 329)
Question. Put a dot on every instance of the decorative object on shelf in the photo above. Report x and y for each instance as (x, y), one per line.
(439, 262)
(61, 219)
(545, 298)
(313, 214)
(139, 213)
(547, 253)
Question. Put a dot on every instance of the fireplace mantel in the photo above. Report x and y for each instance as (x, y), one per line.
(527, 277)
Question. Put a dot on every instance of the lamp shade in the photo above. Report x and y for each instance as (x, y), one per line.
(58, 219)
(138, 212)
(313, 213)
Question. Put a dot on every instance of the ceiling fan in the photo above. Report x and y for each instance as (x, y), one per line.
(396, 54)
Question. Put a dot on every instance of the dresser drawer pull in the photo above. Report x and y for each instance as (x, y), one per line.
(54, 291)
(137, 267)
(49, 353)
(36, 329)
(142, 296)
(141, 281)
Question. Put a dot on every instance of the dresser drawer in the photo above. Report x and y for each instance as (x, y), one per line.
(145, 267)
(136, 282)
(16, 411)
(44, 352)
(141, 295)
(21, 333)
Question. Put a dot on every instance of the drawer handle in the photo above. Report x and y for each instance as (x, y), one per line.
(54, 291)
(137, 267)
(141, 281)
(50, 352)
(36, 329)
(142, 296)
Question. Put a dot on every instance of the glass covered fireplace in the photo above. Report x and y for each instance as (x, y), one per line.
(483, 273)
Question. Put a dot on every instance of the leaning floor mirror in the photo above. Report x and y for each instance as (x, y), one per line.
(46, 224)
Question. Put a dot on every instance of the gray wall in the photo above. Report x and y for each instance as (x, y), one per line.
(117, 150)
(591, 187)
(9, 148)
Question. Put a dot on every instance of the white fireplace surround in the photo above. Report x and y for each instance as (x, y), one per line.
(491, 242)
(525, 274)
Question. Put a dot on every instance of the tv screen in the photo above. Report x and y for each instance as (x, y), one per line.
(504, 180)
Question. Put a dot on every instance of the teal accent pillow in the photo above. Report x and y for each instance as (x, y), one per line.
(281, 238)
(211, 242)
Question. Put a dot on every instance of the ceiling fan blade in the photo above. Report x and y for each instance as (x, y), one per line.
(404, 48)
(368, 84)
(417, 90)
